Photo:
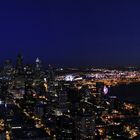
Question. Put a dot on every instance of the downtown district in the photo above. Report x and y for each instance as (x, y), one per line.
(38, 103)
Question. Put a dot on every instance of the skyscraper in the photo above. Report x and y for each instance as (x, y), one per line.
(63, 101)
(8, 68)
(38, 64)
(85, 122)
(19, 64)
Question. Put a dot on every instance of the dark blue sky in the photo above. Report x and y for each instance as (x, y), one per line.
(71, 32)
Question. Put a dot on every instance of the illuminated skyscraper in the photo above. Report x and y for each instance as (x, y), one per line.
(38, 65)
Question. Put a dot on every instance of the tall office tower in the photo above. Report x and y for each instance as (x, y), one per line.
(3, 90)
(100, 95)
(19, 64)
(38, 64)
(50, 73)
(4, 98)
(65, 128)
(28, 91)
(63, 101)
(28, 71)
(100, 87)
(85, 93)
(85, 122)
(8, 69)
(29, 100)
(7, 64)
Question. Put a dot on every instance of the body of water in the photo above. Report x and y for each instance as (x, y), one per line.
(127, 92)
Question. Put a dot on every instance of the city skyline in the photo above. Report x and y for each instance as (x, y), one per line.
(69, 70)
(65, 33)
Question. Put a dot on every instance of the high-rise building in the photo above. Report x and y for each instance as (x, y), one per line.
(85, 122)
(28, 91)
(63, 101)
(19, 64)
(65, 129)
(8, 69)
(50, 74)
(28, 71)
(7, 64)
(38, 64)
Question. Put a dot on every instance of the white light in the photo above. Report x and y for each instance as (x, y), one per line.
(69, 78)
(1, 102)
(18, 127)
(105, 90)
(45, 79)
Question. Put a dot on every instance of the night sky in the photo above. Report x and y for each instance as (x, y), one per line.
(71, 32)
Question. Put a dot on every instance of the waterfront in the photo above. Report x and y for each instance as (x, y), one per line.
(127, 92)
